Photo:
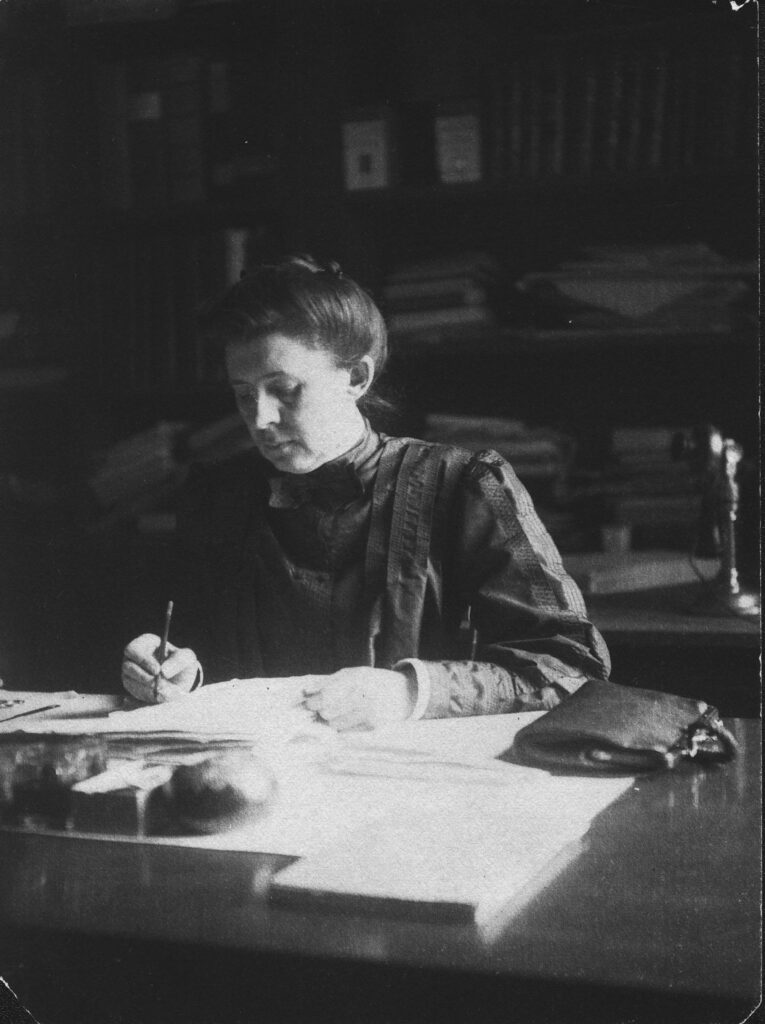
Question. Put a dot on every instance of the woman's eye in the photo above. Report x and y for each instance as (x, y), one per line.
(286, 393)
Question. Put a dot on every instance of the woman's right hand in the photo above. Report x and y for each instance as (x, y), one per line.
(147, 680)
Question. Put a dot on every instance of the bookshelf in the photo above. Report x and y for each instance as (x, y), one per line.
(210, 135)
(145, 160)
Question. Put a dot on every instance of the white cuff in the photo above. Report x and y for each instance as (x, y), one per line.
(422, 678)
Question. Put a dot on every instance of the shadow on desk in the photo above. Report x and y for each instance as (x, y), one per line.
(155, 983)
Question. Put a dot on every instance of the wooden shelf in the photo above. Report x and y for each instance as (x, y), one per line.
(520, 188)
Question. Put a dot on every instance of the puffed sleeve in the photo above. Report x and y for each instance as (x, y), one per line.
(535, 643)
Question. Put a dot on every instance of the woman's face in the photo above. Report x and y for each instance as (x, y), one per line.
(299, 406)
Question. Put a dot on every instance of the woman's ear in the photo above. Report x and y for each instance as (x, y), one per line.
(361, 376)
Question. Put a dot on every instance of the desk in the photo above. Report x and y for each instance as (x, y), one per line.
(662, 616)
(657, 921)
(656, 642)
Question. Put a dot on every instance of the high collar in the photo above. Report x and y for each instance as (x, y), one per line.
(336, 483)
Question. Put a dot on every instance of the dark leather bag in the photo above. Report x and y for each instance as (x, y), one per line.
(605, 727)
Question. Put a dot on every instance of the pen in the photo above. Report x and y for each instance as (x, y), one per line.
(162, 652)
(471, 633)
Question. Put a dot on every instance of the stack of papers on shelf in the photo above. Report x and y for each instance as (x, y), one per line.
(671, 287)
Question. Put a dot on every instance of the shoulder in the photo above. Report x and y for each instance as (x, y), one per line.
(489, 478)
(477, 465)
(448, 453)
(483, 475)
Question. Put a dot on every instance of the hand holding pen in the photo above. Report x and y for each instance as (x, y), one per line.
(154, 670)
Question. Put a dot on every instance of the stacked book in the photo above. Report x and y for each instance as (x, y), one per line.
(641, 105)
(541, 457)
(449, 295)
(646, 487)
(140, 471)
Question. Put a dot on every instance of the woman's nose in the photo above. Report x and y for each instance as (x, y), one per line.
(267, 412)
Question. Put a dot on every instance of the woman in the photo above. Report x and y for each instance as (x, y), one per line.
(400, 578)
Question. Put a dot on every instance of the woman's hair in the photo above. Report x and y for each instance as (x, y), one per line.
(317, 305)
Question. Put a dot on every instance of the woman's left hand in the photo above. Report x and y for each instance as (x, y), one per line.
(360, 698)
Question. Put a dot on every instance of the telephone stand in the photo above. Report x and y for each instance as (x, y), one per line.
(724, 595)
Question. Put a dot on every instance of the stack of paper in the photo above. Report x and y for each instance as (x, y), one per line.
(454, 848)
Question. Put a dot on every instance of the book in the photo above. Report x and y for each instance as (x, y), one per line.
(597, 572)
(636, 116)
(551, 86)
(162, 365)
(138, 462)
(147, 142)
(367, 152)
(470, 263)
(652, 441)
(514, 120)
(532, 134)
(38, 97)
(448, 426)
(587, 156)
(111, 100)
(616, 120)
(187, 292)
(657, 509)
(557, 117)
(146, 497)
(183, 95)
(219, 440)
(658, 140)
(458, 288)
(448, 316)
(476, 296)
(458, 147)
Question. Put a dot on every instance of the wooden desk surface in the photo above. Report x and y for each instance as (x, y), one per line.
(663, 905)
